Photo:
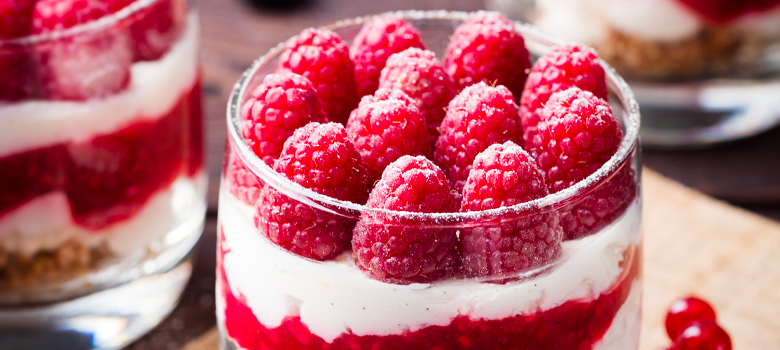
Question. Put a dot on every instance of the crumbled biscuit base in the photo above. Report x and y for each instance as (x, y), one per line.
(712, 51)
(71, 259)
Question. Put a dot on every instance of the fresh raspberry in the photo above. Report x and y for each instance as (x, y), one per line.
(403, 254)
(282, 103)
(478, 117)
(487, 48)
(505, 175)
(89, 65)
(15, 66)
(385, 127)
(52, 15)
(319, 157)
(243, 184)
(156, 28)
(576, 136)
(722, 11)
(421, 76)
(15, 18)
(321, 56)
(559, 69)
(376, 41)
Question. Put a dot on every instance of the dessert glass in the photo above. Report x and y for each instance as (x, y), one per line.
(102, 184)
(699, 79)
(269, 298)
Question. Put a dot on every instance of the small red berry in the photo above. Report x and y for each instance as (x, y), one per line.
(374, 44)
(702, 335)
(400, 254)
(486, 47)
(683, 311)
(321, 56)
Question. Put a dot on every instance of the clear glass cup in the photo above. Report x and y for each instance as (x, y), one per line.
(701, 76)
(269, 298)
(102, 182)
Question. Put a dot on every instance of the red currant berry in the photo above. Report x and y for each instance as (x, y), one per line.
(702, 334)
(684, 311)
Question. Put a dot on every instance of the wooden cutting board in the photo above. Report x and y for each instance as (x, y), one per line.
(694, 244)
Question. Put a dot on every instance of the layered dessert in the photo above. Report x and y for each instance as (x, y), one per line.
(100, 142)
(665, 39)
(513, 223)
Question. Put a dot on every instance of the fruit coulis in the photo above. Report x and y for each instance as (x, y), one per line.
(575, 324)
(109, 178)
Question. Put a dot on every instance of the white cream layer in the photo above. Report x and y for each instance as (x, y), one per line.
(154, 89)
(589, 21)
(45, 223)
(335, 297)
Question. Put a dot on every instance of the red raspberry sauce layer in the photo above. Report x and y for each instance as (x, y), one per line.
(110, 177)
(576, 324)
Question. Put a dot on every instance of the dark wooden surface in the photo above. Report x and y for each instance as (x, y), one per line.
(235, 32)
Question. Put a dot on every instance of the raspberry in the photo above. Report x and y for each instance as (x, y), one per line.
(478, 117)
(399, 254)
(502, 176)
(386, 126)
(243, 184)
(15, 18)
(487, 48)
(558, 70)
(91, 64)
(421, 76)
(278, 106)
(577, 135)
(376, 41)
(156, 28)
(319, 157)
(321, 56)
(722, 11)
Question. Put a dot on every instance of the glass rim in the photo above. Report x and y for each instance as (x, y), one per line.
(307, 196)
(91, 26)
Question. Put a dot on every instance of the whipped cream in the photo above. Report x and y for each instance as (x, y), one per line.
(589, 21)
(335, 297)
(154, 89)
(22, 230)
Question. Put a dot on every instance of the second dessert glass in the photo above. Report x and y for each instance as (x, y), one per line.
(269, 298)
(102, 184)
(703, 71)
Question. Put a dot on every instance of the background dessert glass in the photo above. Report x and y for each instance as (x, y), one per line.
(268, 298)
(701, 74)
(102, 185)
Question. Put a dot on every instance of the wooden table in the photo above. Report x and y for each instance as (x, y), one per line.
(235, 32)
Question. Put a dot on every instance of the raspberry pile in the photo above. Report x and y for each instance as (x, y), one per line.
(487, 48)
(374, 44)
(321, 56)
(398, 254)
(385, 127)
(557, 70)
(87, 64)
(421, 76)
(319, 157)
(479, 159)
